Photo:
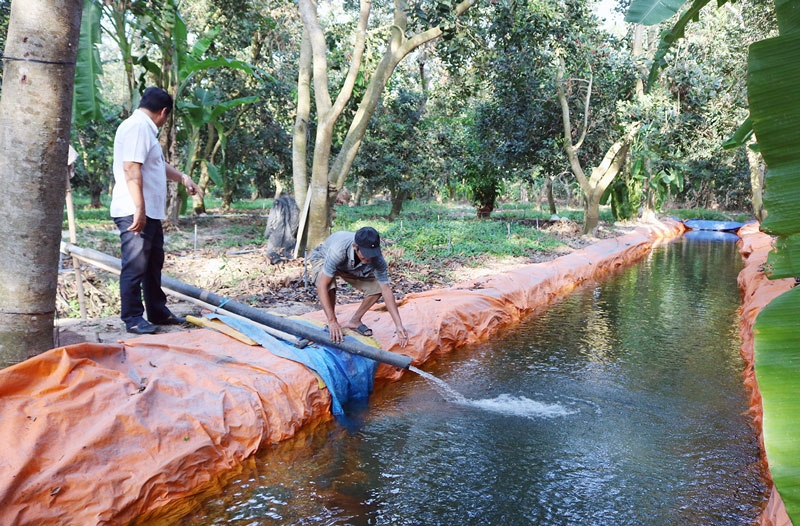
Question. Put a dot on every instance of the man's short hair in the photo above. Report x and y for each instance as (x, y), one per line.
(155, 100)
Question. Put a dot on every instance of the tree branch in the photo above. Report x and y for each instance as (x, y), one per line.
(571, 150)
(586, 109)
(308, 12)
(355, 60)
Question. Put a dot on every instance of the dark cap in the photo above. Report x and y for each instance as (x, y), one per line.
(368, 241)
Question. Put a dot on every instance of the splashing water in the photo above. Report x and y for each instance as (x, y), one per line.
(504, 404)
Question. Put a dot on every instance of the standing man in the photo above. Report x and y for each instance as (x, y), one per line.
(138, 204)
(358, 260)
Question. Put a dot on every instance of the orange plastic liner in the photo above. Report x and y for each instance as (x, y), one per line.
(757, 291)
(102, 434)
(98, 434)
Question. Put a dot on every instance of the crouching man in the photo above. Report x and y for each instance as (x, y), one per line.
(357, 259)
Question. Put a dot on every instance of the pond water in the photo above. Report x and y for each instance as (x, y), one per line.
(620, 404)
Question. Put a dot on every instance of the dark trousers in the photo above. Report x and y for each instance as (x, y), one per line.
(142, 261)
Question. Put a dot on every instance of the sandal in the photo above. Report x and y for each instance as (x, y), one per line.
(363, 330)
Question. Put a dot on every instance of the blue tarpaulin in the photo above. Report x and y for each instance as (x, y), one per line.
(348, 376)
(706, 224)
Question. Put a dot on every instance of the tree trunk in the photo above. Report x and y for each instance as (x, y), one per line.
(175, 193)
(96, 197)
(320, 207)
(359, 192)
(204, 181)
(602, 176)
(551, 201)
(328, 112)
(300, 137)
(649, 201)
(398, 198)
(604, 173)
(326, 179)
(199, 205)
(35, 116)
(591, 212)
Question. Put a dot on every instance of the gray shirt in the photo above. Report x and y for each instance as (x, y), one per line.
(340, 258)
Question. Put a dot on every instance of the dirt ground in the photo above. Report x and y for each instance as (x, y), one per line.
(245, 275)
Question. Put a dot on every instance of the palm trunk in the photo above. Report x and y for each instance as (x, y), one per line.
(35, 116)
(757, 169)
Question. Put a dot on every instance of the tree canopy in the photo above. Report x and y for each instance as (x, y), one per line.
(489, 71)
(449, 100)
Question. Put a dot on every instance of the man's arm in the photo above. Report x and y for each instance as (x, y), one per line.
(335, 330)
(391, 306)
(133, 179)
(176, 175)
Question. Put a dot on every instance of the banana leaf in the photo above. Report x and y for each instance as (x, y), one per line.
(741, 135)
(87, 100)
(785, 260)
(673, 35)
(651, 12)
(777, 367)
(774, 96)
(788, 14)
(773, 83)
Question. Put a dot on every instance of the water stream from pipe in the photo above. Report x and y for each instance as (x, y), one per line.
(504, 404)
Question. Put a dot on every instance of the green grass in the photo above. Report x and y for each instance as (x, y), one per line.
(710, 215)
(248, 205)
(86, 216)
(426, 232)
(429, 242)
(430, 232)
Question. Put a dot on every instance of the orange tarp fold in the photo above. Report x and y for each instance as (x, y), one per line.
(101, 434)
(98, 434)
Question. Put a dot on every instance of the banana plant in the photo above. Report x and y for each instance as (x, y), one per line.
(185, 61)
(641, 187)
(202, 111)
(773, 85)
(179, 62)
(91, 120)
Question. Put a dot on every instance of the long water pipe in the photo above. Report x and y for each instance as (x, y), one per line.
(270, 320)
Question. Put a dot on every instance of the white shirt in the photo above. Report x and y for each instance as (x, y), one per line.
(136, 141)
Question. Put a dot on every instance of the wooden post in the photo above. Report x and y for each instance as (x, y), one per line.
(301, 227)
(73, 238)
